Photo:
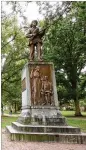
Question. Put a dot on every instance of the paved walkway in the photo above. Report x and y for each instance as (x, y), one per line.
(13, 145)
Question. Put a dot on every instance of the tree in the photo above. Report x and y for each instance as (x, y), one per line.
(65, 45)
(14, 51)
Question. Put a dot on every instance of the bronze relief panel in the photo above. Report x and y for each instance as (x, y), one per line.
(41, 85)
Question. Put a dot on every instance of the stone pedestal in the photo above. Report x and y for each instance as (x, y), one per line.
(36, 72)
(40, 118)
(39, 95)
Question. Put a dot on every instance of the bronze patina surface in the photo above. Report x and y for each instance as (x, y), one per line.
(41, 85)
(35, 40)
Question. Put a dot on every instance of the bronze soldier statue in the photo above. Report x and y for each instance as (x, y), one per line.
(35, 40)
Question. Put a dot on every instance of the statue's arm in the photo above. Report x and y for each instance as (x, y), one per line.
(29, 34)
(42, 32)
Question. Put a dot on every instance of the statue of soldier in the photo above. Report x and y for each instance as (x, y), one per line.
(35, 40)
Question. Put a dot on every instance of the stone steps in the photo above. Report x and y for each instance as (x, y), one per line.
(45, 129)
(16, 135)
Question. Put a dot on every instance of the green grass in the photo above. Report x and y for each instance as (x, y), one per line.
(5, 120)
(77, 122)
(71, 113)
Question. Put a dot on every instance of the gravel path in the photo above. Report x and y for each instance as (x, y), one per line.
(12, 145)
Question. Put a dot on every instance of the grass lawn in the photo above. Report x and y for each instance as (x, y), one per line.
(5, 120)
(71, 120)
(75, 121)
(71, 113)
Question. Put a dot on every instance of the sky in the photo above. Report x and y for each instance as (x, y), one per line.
(31, 12)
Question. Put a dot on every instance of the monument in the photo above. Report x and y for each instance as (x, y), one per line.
(40, 118)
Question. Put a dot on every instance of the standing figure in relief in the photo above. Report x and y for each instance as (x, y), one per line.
(46, 91)
(35, 40)
(35, 89)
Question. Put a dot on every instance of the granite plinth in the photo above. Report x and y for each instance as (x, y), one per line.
(42, 115)
(45, 128)
(16, 135)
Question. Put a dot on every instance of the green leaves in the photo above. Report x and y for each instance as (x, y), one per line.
(13, 50)
(65, 45)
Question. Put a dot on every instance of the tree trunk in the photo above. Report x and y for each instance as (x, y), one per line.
(77, 108)
(75, 97)
(15, 107)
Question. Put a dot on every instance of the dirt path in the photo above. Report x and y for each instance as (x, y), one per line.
(12, 145)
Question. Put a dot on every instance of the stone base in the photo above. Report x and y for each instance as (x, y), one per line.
(68, 134)
(45, 129)
(42, 116)
(44, 124)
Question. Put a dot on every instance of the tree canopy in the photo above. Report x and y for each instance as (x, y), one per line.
(65, 45)
(14, 52)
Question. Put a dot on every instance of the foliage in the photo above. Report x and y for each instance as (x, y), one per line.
(54, 10)
(65, 45)
(14, 52)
